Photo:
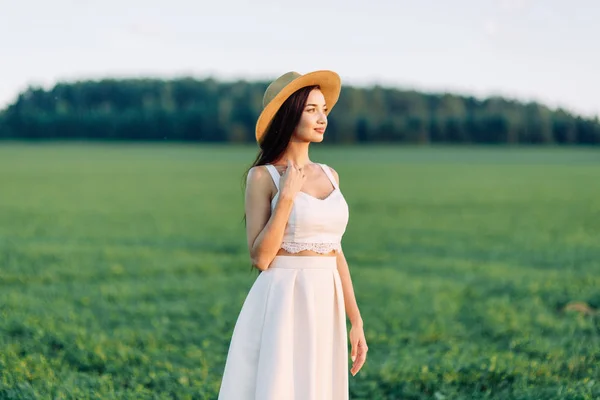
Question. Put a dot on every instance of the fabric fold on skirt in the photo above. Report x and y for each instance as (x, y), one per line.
(290, 339)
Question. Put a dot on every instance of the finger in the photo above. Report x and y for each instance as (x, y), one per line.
(360, 361)
(361, 351)
(354, 350)
(357, 366)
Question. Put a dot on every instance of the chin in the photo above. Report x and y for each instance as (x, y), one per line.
(315, 138)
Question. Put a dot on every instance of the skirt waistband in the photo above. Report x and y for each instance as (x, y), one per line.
(304, 262)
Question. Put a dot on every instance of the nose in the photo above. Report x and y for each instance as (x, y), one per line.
(322, 118)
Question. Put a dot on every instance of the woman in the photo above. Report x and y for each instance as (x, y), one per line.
(289, 342)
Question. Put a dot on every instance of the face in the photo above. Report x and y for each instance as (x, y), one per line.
(313, 120)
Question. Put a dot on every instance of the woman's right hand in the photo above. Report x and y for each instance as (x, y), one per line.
(292, 180)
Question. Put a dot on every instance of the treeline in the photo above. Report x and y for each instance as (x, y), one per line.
(211, 111)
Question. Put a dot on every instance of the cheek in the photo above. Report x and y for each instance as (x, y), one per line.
(305, 122)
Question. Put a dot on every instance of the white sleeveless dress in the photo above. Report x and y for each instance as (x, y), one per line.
(290, 340)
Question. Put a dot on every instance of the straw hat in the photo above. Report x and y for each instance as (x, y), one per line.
(284, 86)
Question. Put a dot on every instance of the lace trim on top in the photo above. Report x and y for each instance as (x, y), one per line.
(322, 248)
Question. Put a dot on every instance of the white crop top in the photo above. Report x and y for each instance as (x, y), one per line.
(314, 224)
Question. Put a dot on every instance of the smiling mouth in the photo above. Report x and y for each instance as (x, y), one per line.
(320, 130)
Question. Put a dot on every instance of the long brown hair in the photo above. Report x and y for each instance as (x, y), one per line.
(279, 132)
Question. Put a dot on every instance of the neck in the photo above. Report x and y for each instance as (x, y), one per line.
(297, 153)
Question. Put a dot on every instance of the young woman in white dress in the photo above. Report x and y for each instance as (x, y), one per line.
(289, 341)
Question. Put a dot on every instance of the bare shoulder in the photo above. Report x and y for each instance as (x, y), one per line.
(335, 174)
(257, 174)
(259, 180)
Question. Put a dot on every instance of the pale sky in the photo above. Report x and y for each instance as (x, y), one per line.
(548, 51)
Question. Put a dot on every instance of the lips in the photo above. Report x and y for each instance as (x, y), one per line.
(320, 130)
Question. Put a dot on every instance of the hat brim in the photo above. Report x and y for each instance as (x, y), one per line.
(328, 81)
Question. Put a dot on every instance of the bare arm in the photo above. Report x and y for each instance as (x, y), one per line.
(264, 229)
(349, 299)
(350, 303)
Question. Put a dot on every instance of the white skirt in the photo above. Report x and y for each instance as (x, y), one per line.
(290, 340)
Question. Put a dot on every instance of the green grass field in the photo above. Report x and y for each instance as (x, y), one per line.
(123, 269)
